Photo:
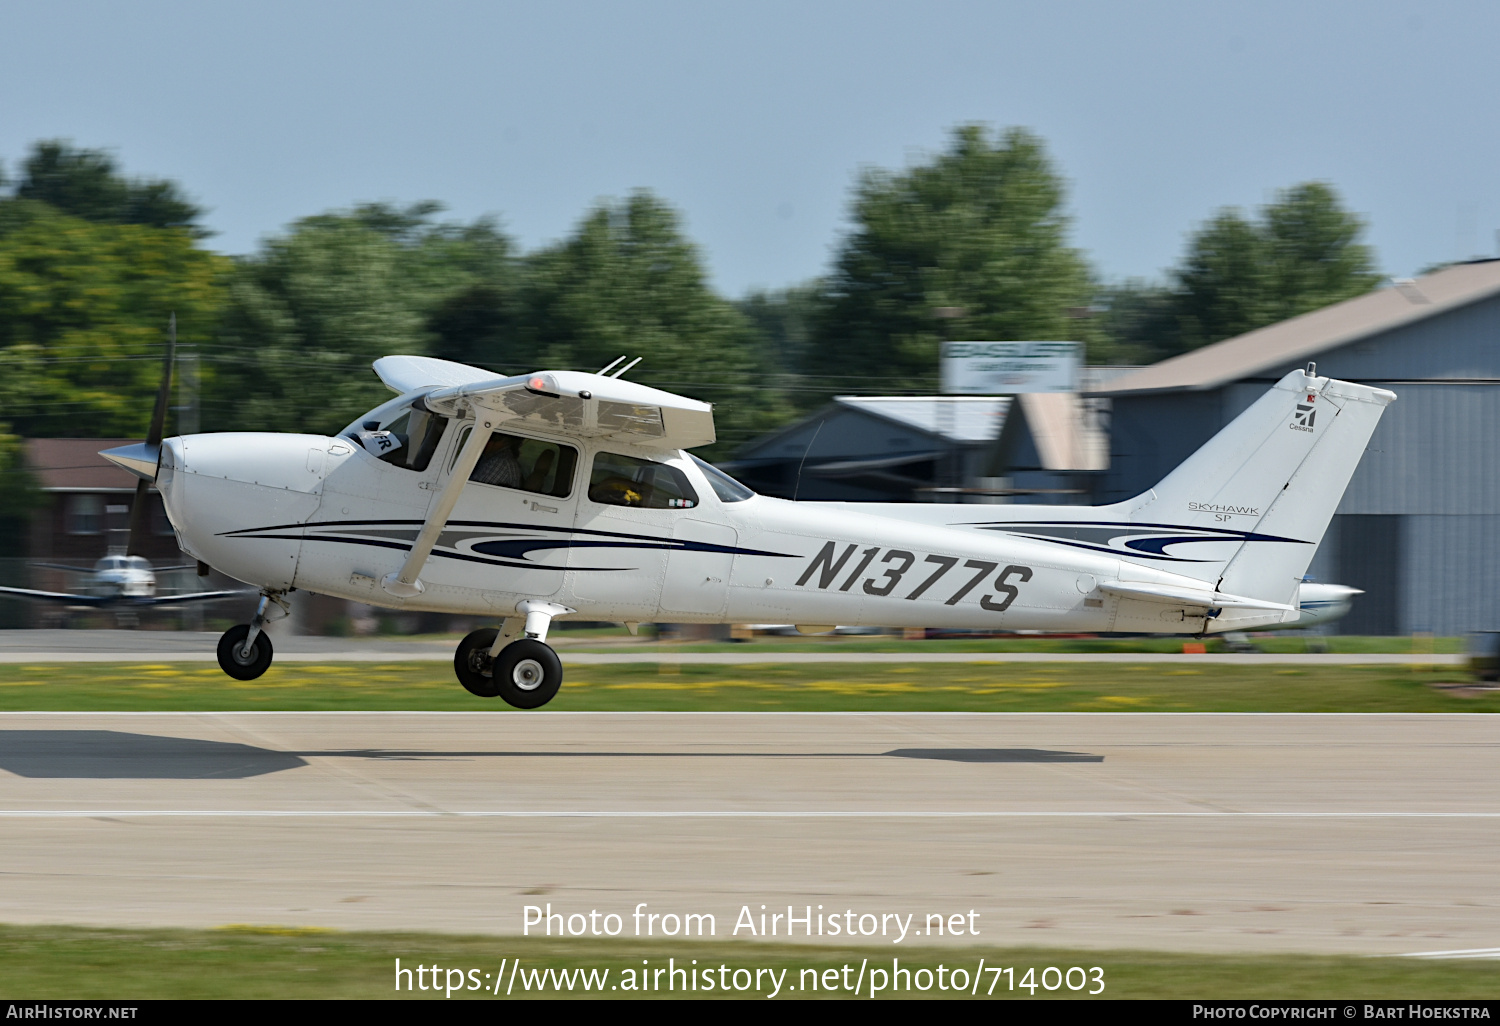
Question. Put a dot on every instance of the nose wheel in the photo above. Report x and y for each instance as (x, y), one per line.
(245, 650)
(526, 673)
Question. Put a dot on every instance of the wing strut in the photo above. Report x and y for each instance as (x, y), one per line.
(404, 583)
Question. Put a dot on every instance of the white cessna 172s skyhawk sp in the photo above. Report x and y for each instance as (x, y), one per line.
(561, 493)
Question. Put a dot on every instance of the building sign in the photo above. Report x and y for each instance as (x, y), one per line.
(1009, 368)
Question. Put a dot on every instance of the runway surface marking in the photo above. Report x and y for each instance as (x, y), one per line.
(1123, 814)
(1463, 953)
(1205, 832)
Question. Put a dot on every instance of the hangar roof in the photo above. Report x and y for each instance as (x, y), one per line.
(954, 417)
(1304, 337)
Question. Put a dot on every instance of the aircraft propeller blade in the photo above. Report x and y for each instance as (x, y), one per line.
(139, 525)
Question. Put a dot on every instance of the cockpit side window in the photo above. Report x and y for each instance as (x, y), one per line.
(527, 464)
(627, 481)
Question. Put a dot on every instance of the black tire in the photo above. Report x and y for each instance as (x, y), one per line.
(472, 663)
(527, 673)
(230, 661)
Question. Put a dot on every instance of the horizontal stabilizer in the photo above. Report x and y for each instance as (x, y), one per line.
(1189, 596)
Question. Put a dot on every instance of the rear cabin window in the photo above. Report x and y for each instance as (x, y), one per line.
(527, 464)
(627, 481)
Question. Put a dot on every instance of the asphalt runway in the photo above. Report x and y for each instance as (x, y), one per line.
(1196, 832)
(61, 646)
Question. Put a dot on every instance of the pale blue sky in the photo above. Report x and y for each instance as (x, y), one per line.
(753, 118)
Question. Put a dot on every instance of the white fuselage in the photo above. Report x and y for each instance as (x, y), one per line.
(323, 515)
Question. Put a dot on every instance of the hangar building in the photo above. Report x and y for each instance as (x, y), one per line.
(1419, 527)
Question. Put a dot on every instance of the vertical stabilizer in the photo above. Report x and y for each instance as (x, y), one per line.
(1255, 500)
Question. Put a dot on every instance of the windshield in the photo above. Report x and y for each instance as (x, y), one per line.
(403, 434)
(724, 486)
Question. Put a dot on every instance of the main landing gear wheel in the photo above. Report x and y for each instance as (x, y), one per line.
(526, 673)
(238, 663)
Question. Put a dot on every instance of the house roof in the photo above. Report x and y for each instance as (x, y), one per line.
(1304, 337)
(74, 465)
(958, 418)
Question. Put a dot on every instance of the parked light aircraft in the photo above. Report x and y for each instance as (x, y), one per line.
(124, 578)
(561, 493)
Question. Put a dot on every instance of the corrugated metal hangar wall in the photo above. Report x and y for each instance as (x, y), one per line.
(1419, 527)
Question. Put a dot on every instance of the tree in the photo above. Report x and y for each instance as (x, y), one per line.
(628, 283)
(307, 315)
(971, 245)
(1136, 324)
(83, 315)
(783, 321)
(87, 184)
(1225, 285)
(1302, 253)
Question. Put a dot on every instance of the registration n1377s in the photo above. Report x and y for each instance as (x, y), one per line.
(560, 493)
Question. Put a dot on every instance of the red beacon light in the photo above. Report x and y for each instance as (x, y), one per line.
(537, 383)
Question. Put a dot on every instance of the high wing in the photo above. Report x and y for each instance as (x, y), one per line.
(56, 596)
(100, 601)
(402, 374)
(90, 570)
(573, 402)
(189, 596)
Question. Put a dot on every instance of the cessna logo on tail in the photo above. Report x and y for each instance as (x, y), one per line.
(1302, 419)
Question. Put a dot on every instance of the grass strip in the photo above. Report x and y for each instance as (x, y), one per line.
(63, 962)
(951, 687)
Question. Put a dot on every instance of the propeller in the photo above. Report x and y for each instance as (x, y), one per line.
(139, 517)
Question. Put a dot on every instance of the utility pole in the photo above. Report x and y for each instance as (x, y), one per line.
(187, 424)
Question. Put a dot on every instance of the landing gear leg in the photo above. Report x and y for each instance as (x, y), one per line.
(245, 650)
(514, 663)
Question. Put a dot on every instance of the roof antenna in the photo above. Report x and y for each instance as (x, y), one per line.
(625, 368)
(610, 366)
(797, 485)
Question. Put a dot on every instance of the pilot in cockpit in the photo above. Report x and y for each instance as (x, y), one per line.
(498, 464)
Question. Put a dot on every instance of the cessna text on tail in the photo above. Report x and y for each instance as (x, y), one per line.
(568, 494)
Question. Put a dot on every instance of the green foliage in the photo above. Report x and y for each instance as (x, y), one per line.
(1136, 324)
(783, 321)
(88, 184)
(83, 314)
(19, 494)
(978, 234)
(1302, 253)
(306, 316)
